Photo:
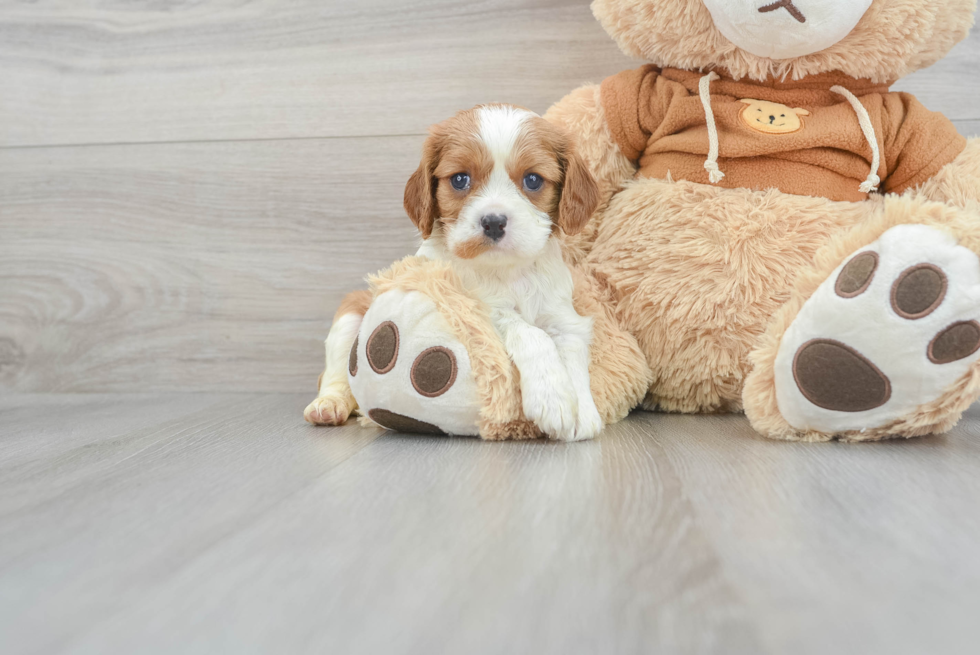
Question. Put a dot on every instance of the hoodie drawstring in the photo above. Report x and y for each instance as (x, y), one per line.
(711, 163)
(870, 184)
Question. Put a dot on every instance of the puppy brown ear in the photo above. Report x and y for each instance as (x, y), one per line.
(420, 192)
(579, 195)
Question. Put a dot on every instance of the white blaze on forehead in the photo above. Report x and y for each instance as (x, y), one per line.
(500, 126)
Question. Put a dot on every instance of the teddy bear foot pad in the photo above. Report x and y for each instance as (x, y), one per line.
(409, 373)
(893, 328)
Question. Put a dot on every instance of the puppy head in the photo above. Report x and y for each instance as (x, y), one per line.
(496, 181)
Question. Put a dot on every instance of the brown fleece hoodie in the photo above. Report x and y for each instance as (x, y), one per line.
(797, 136)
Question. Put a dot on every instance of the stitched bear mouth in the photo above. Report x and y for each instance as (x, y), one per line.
(788, 6)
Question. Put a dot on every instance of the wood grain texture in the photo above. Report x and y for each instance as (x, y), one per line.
(223, 523)
(101, 71)
(882, 536)
(190, 266)
(119, 494)
(108, 72)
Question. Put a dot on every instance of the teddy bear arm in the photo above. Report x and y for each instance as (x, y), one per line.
(581, 114)
(918, 144)
(958, 182)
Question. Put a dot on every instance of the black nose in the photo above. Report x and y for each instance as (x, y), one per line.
(493, 226)
(772, 119)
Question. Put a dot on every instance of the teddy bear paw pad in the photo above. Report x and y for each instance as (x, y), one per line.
(418, 377)
(400, 423)
(890, 330)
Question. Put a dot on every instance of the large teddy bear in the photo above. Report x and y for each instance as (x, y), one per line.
(778, 234)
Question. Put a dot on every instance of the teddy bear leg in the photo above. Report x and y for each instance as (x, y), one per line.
(886, 346)
(409, 373)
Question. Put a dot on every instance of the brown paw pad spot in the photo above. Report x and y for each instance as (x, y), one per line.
(918, 291)
(957, 341)
(402, 423)
(434, 371)
(856, 276)
(382, 347)
(834, 376)
(352, 360)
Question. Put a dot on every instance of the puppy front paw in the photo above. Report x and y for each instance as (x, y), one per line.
(550, 404)
(589, 423)
(329, 409)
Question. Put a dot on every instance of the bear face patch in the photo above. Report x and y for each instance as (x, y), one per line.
(772, 117)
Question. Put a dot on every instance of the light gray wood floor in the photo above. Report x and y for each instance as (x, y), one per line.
(215, 523)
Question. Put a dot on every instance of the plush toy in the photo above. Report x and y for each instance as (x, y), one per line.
(779, 234)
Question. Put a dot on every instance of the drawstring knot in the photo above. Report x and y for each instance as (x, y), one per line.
(870, 184)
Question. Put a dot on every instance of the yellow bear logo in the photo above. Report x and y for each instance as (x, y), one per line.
(772, 117)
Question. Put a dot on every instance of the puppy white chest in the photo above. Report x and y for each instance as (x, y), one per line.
(533, 290)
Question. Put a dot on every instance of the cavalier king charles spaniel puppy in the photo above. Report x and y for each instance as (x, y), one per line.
(497, 189)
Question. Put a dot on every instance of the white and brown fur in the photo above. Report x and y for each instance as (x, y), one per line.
(521, 275)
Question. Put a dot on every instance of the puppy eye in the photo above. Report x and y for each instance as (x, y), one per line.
(533, 182)
(460, 181)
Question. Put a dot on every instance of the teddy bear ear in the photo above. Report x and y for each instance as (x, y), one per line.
(801, 112)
